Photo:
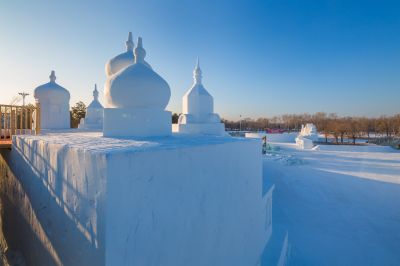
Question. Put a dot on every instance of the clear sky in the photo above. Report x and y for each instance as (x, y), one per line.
(259, 58)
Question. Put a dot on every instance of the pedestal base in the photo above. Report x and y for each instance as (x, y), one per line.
(136, 122)
(200, 128)
(90, 126)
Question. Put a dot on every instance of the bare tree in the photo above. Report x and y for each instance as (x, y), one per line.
(383, 125)
(353, 128)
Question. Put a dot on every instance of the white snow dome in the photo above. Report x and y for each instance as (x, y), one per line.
(137, 86)
(54, 104)
(122, 60)
(52, 91)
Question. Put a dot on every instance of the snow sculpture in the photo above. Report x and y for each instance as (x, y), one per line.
(54, 104)
(198, 115)
(307, 136)
(94, 113)
(309, 131)
(137, 97)
(304, 143)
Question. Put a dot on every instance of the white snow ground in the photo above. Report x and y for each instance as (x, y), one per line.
(339, 204)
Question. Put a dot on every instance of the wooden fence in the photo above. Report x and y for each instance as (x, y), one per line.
(16, 120)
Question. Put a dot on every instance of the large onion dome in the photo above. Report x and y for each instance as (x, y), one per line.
(137, 86)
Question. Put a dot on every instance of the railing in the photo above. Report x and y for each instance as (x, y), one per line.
(17, 120)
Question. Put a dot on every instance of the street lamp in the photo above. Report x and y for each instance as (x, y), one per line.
(23, 94)
(240, 123)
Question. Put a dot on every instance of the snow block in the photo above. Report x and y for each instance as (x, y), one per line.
(175, 200)
(200, 128)
(138, 122)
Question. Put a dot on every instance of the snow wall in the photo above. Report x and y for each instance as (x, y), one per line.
(284, 137)
(178, 205)
(53, 202)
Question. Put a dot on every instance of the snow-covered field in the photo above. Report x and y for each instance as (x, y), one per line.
(339, 204)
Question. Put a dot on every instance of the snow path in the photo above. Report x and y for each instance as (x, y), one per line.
(340, 204)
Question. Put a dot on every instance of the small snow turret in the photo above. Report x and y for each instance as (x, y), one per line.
(197, 102)
(198, 115)
(197, 74)
(94, 113)
(95, 103)
(137, 97)
(129, 43)
(53, 76)
(54, 104)
(140, 53)
(95, 93)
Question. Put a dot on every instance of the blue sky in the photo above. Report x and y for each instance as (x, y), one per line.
(259, 58)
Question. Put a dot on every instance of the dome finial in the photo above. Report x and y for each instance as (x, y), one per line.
(129, 42)
(197, 72)
(95, 93)
(140, 53)
(52, 76)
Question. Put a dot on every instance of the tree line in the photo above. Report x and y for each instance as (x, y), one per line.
(330, 125)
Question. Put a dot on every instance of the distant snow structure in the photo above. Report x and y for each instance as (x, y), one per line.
(308, 135)
(198, 115)
(304, 143)
(94, 113)
(136, 98)
(54, 104)
(309, 131)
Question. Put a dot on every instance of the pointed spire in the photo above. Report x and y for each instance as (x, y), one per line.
(129, 43)
(140, 53)
(95, 93)
(52, 76)
(197, 72)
